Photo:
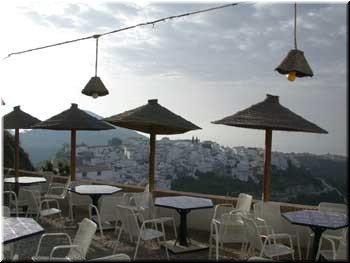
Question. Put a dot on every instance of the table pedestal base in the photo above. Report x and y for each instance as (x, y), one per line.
(193, 246)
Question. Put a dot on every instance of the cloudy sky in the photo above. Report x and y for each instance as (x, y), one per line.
(203, 67)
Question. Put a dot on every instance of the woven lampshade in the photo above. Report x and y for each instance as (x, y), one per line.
(295, 62)
(95, 88)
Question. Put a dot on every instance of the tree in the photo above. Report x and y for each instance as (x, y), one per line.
(9, 154)
(63, 169)
(48, 167)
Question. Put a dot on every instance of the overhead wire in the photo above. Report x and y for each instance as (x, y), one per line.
(122, 29)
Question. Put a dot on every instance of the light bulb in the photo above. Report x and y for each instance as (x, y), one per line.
(292, 76)
(95, 95)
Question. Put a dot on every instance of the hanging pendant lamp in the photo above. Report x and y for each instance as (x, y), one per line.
(95, 87)
(295, 64)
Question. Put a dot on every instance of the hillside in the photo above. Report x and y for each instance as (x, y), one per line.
(43, 144)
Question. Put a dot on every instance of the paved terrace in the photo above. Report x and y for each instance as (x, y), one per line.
(100, 247)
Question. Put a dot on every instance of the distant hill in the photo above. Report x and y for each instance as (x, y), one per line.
(43, 144)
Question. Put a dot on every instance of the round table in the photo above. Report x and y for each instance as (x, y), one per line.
(25, 180)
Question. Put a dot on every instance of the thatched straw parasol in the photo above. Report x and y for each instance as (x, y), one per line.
(154, 119)
(18, 119)
(73, 119)
(269, 115)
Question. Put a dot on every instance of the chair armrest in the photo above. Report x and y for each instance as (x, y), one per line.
(215, 221)
(47, 201)
(79, 249)
(155, 220)
(236, 210)
(280, 236)
(51, 235)
(221, 205)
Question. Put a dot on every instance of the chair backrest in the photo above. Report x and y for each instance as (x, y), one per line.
(83, 238)
(332, 207)
(77, 199)
(48, 176)
(12, 199)
(252, 233)
(342, 251)
(107, 207)
(244, 202)
(337, 208)
(6, 211)
(271, 213)
(33, 198)
(129, 220)
(144, 202)
(59, 181)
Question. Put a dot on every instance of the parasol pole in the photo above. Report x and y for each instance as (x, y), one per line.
(72, 154)
(16, 159)
(267, 164)
(152, 144)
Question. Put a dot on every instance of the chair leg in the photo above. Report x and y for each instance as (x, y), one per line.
(210, 246)
(308, 248)
(137, 246)
(318, 250)
(217, 248)
(174, 226)
(210, 241)
(166, 248)
(299, 249)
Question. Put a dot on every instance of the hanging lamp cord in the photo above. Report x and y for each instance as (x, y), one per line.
(96, 36)
(295, 25)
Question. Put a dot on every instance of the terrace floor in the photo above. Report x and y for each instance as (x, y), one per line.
(101, 247)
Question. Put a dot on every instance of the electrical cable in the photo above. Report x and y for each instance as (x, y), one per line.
(122, 29)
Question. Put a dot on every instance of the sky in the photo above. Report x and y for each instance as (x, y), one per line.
(202, 67)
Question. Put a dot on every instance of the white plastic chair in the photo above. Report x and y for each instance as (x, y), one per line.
(45, 186)
(12, 197)
(21, 200)
(115, 257)
(106, 215)
(270, 248)
(336, 253)
(77, 249)
(58, 187)
(271, 213)
(227, 226)
(145, 205)
(36, 205)
(146, 232)
(6, 212)
(336, 235)
(75, 200)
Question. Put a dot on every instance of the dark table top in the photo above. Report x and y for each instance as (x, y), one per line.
(15, 228)
(25, 180)
(95, 189)
(183, 202)
(314, 218)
